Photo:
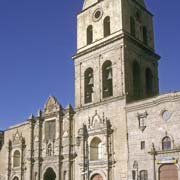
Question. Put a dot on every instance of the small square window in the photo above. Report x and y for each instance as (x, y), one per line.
(142, 145)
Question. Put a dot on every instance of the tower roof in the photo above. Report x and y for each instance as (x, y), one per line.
(88, 3)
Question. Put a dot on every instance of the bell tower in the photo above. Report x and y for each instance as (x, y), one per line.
(115, 64)
(115, 52)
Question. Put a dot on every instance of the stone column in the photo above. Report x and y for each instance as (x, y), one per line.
(32, 123)
(9, 159)
(71, 155)
(60, 143)
(39, 122)
(22, 158)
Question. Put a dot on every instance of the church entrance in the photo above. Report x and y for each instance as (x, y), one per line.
(97, 177)
(15, 178)
(168, 172)
(49, 174)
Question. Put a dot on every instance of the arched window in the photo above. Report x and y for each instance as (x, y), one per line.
(143, 175)
(149, 82)
(136, 80)
(89, 84)
(16, 159)
(145, 37)
(132, 26)
(107, 78)
(166, 143)
(89, 34)
(96, 149)
(107, 26)
(49, 130)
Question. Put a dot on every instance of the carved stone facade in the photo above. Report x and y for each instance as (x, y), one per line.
(120, 128)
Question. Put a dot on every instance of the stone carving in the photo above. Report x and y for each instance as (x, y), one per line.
(142, 120)
(49, 150)
(52, 105)
(17, 138)
(96, 121)
(65, 134)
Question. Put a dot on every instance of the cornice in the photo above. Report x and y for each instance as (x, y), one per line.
(17, 126)
(142, 7)
(124, 35)
(97, 46)
(141, 45)
(102, 102)
(154, 101)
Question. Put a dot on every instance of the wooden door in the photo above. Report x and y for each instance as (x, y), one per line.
(168, 172)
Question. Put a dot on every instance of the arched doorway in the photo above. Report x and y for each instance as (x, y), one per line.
(97, 177)
(49, 174)
(16, 178)
(168, 172)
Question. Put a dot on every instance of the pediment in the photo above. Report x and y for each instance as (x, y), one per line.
(52, 105)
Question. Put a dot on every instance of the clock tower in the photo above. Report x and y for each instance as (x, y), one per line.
(115, 64)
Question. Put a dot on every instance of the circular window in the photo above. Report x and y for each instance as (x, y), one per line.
(97, 14)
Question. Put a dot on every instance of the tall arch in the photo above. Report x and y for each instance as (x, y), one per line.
(49, 174)
(15, 178)
(107, 26)
(16, 158)
(95, 149)
(97, 177)
(88, 85)
(136, 80)
(89, 34)
(107, 79)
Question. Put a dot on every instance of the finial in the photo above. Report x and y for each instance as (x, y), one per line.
(39, 113)
(31, 116)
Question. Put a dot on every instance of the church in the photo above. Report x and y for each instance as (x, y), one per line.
(121, 127)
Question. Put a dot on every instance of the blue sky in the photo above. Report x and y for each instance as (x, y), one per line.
(37, 40)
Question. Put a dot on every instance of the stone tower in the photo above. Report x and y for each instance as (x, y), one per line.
(115, 64)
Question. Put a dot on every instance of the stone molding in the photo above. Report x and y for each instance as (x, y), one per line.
(153, 101)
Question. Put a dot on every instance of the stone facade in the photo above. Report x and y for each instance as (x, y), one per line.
(149, 122)
(120, 128)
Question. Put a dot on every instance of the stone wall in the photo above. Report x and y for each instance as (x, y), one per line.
(160, 116)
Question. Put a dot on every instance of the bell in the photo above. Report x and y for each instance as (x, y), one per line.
(90, 81)
(109, 75)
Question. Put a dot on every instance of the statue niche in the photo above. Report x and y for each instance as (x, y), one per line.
(96, 121)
